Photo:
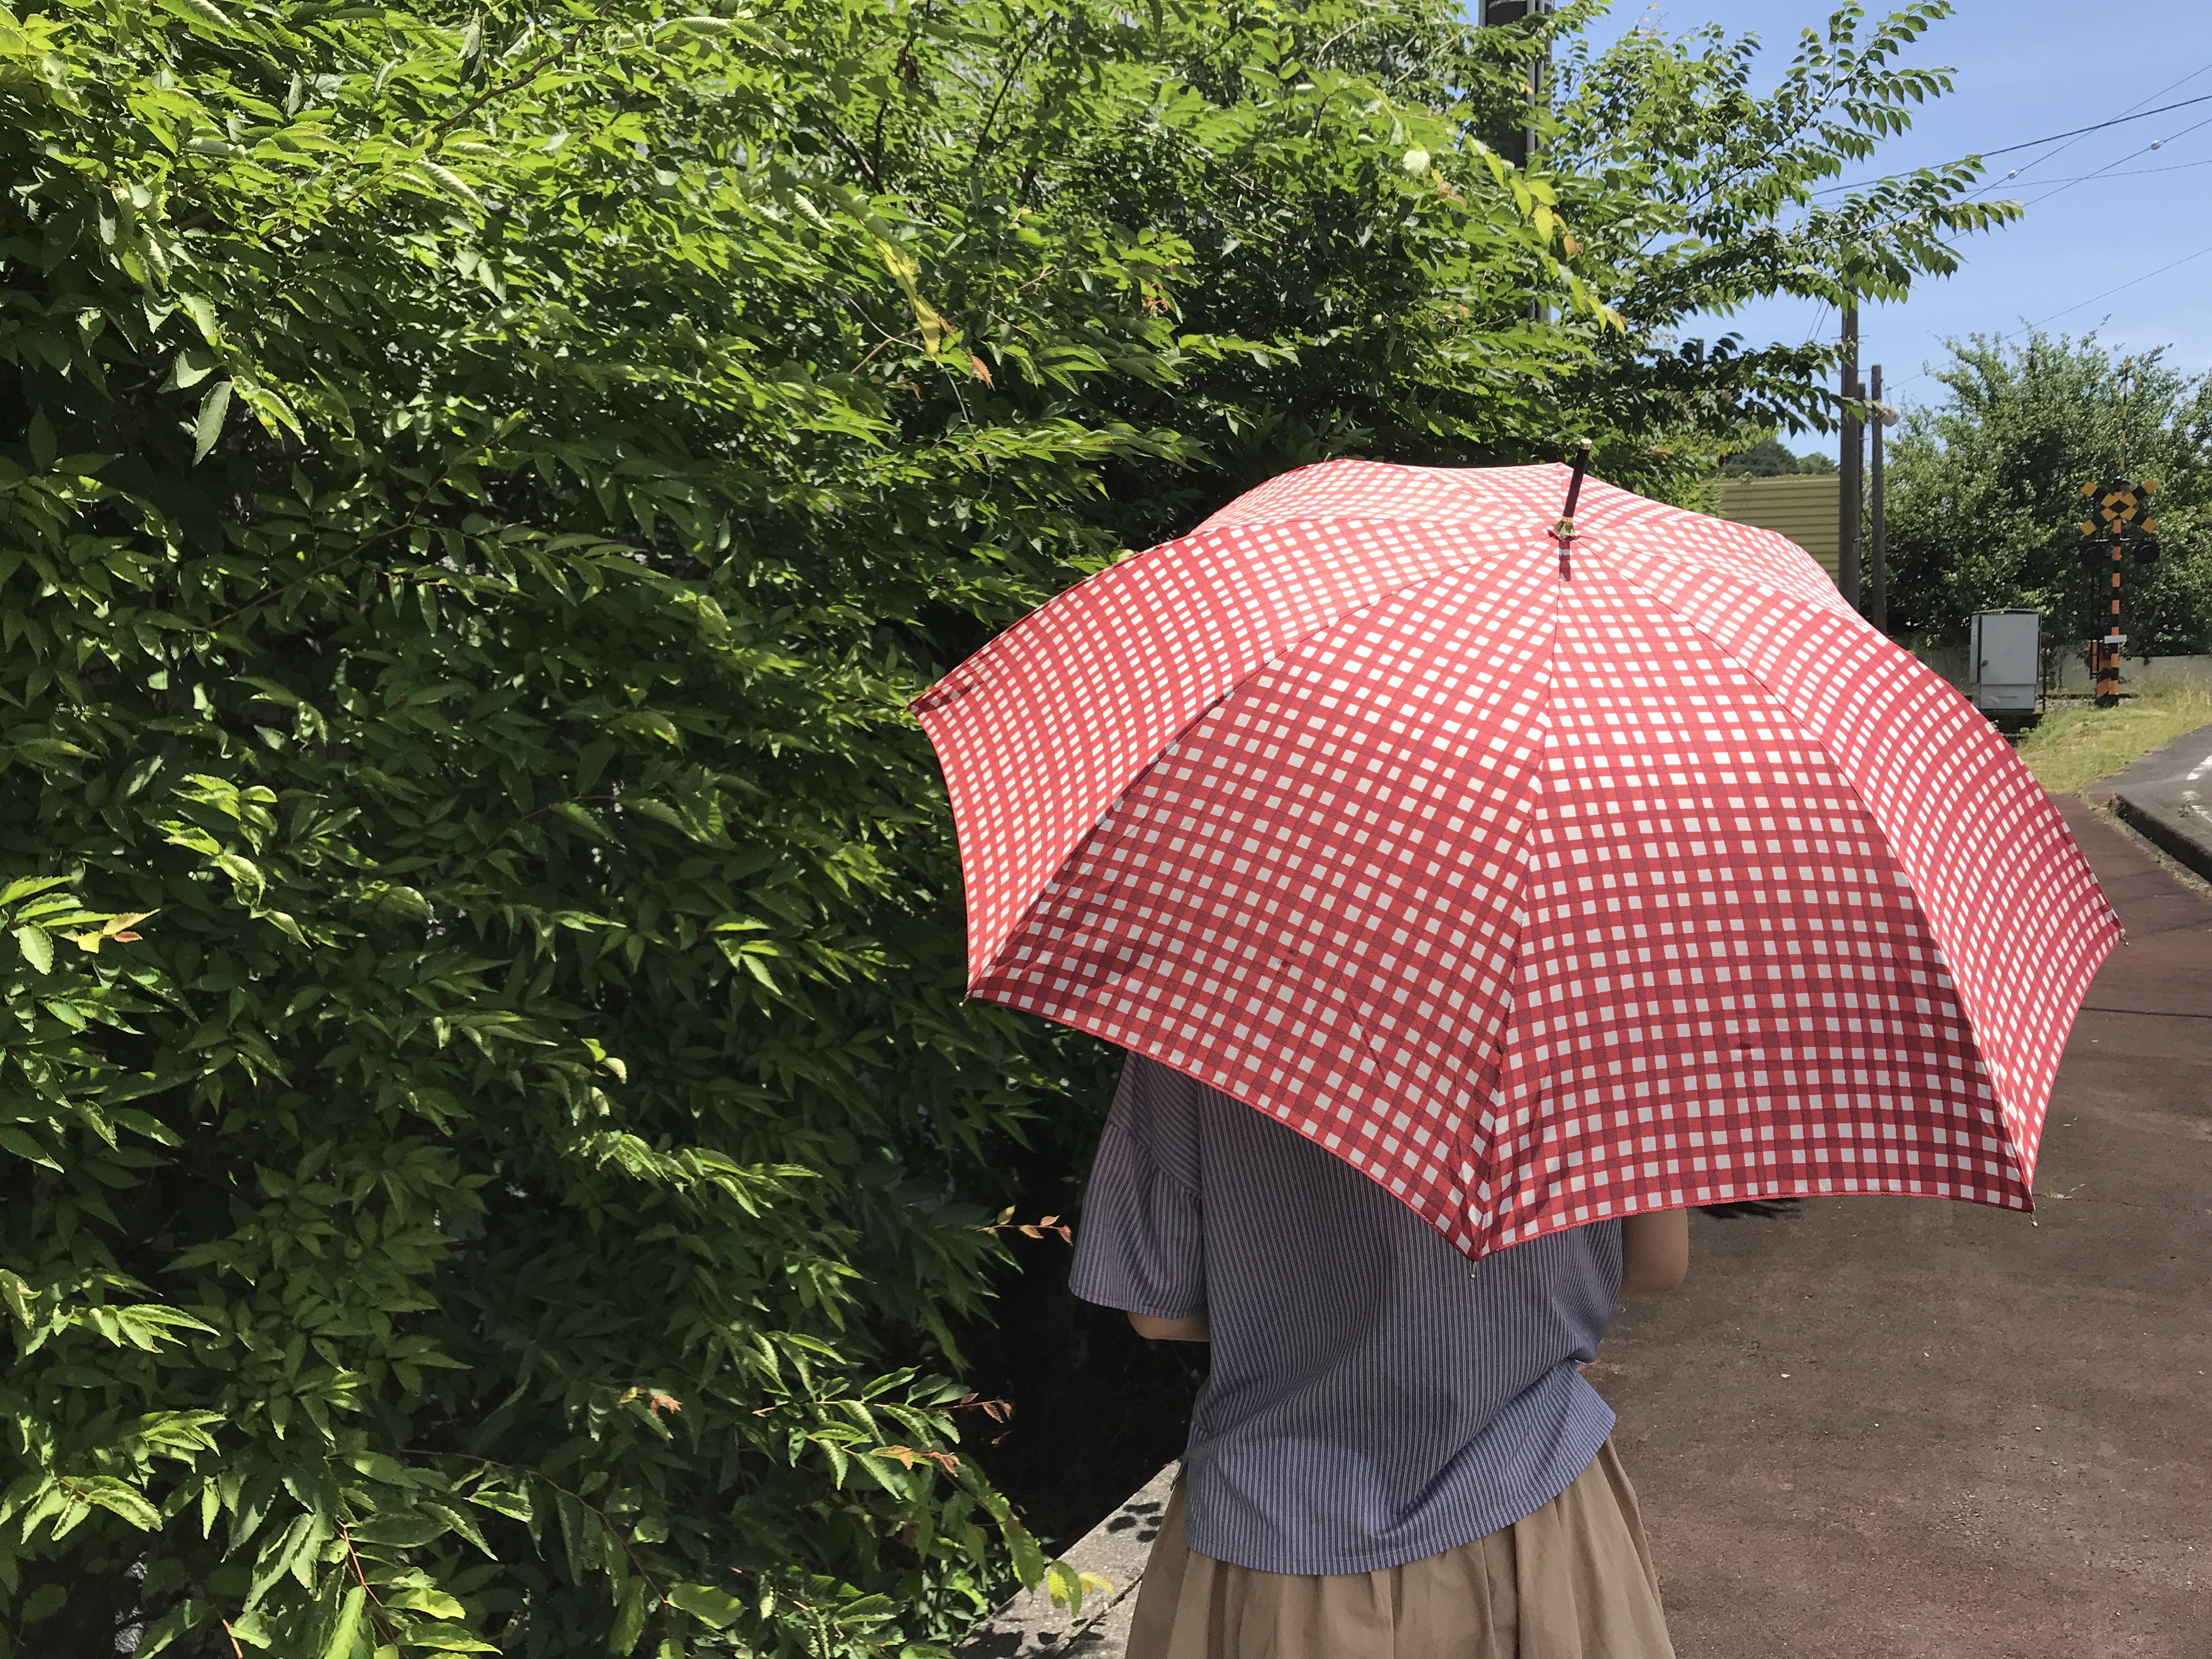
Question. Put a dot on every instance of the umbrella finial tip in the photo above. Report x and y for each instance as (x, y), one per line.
(1564, 530)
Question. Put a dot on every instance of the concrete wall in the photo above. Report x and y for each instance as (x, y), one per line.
(2136, 673)
(2139, 673)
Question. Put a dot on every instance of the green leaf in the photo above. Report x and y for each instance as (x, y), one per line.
(451, 183)
(37, 946)
(445, 1639)
(461, 1522)
(629, 1619)
(17, 1294)
(584, 819)
(25, 1146)
(515, 1505)
(24, 887)
(40, 436)
(118, 1497)
(186, 1616)
(436, 1602)
(346, 1635)
(189, 367)
(214, 406)
(203, 11)
(707, 1604)
(43, 1602)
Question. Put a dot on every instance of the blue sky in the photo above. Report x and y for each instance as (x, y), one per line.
(2026, 68)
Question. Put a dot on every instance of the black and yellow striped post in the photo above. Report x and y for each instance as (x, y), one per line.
(2119, 520)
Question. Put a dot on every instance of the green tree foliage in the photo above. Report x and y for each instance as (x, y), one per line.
(1985, 500)
(1767, 459)
(1665, 193)
(492, 1150)
(1696, 196)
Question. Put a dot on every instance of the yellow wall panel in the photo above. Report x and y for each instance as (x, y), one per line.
(1802, 506)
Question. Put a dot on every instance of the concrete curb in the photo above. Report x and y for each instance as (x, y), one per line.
(2169, 833)
(2164, 797)
(1115, 1549)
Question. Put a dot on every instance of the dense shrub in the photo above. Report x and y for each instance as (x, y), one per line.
(493, 1153)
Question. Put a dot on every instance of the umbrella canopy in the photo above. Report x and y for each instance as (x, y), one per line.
(1538, 898)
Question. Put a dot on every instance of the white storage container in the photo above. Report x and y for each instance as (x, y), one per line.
(2004, 651)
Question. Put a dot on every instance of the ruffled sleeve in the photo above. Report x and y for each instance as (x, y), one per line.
(1139, 1245)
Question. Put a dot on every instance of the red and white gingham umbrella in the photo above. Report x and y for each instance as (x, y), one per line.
(1539, 899)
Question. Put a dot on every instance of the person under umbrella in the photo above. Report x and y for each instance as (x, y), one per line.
(1394, 1457)
(1469, 887)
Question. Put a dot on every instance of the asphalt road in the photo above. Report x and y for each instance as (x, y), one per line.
(1886, 1429)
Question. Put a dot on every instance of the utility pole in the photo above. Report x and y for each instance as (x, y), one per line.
(1514, 145)
(1517, 144)
(1851, 491)
(1878, 605)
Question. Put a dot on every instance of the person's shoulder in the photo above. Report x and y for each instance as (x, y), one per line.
(1153, 1085)
(1159, 1107)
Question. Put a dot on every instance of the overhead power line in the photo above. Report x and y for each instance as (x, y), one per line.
(2030, 328)
(2061, 186)
(2185, 259)
(2133, 112)
(2050, 155)
(2132, 173)
(2144, 115)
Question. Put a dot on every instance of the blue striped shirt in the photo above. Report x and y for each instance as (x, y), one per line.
(1370, 1400)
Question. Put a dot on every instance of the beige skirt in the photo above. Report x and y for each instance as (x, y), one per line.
(1572, 1581)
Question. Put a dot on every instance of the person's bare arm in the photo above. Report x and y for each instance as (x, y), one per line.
(1654, 1252)
(1193, 1329)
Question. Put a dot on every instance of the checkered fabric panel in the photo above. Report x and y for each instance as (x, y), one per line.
(2022, 924)
(1726, 988)
(1538, 903)
(1313, 901)
(1549, 914)
(1382, 493)
(1039, 732)
(1618, 518)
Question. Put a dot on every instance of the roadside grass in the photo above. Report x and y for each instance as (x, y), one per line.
(2074, 746)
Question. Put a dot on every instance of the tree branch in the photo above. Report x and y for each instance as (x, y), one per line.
(851, 149)
(1005, 83)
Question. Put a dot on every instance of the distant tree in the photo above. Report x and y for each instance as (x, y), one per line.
(1985, 490)
(1767, 459)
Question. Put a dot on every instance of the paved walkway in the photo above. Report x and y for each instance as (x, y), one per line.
(2166, 795)
(1908, 1429)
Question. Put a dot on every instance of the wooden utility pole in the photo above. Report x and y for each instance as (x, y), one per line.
(1850, 485)
(1878, 601)
(1513, 144)
(1517, 144)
